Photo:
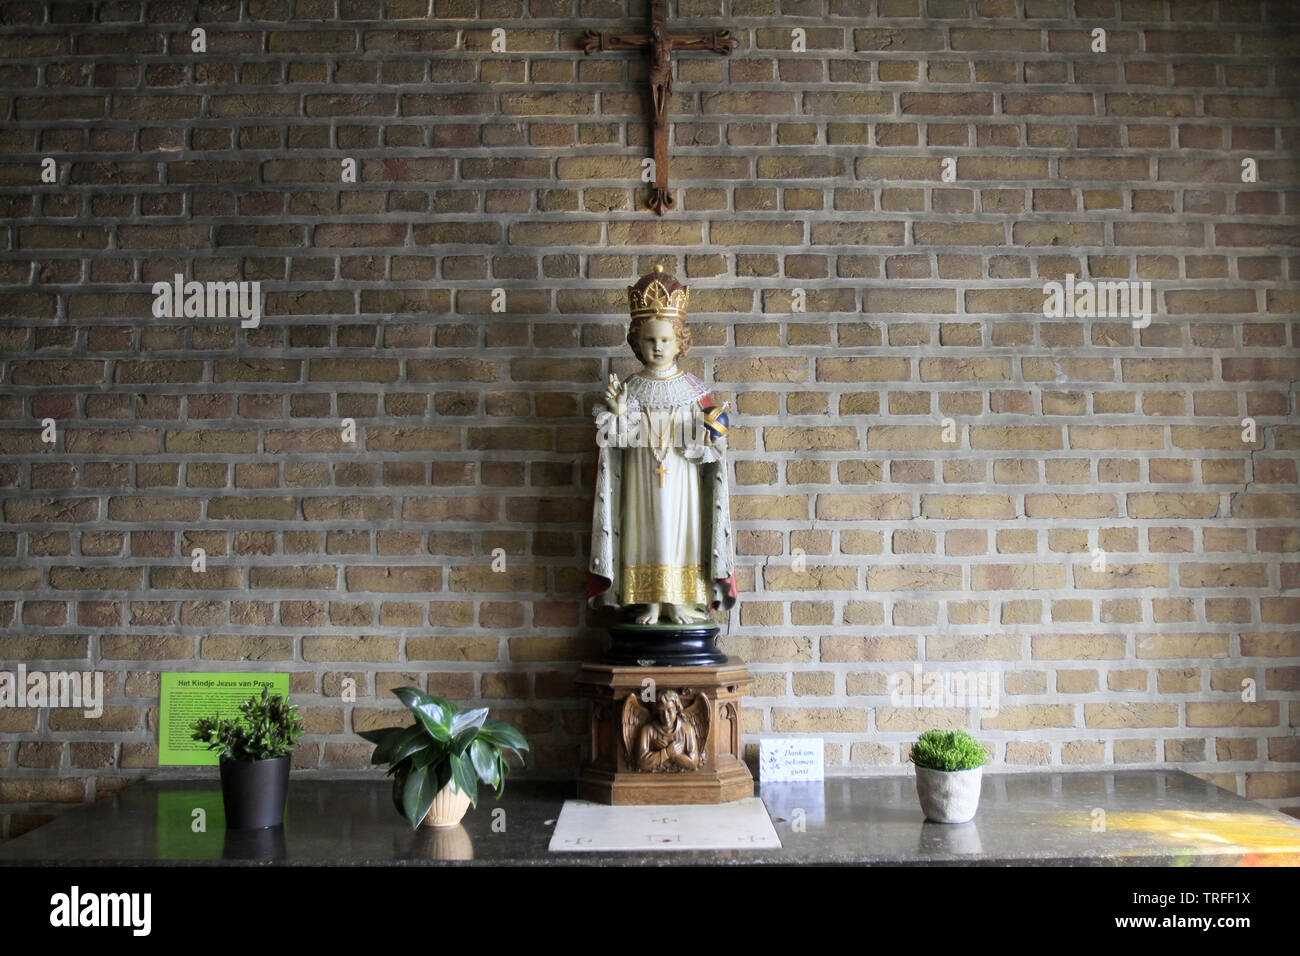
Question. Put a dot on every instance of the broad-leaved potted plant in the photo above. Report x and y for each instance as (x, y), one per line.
(437, 763)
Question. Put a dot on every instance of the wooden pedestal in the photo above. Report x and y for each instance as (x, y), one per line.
(613, 776)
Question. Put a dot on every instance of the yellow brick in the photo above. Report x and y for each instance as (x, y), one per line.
(1229, 610)
(1184, 751)
(1024, 753)
(452, 648)
(762, 613)
(967, 506)
(917, 577)
(1122, 576)
(913, 719)
(973, 647)
(1272, 785)
(814, 683)
(1076, 682)
(1236, 748)
(1223, 575)
(1230, 678)
(1160, 504)
(480, 579)
(1121, 611)
(910, 438)
(1130, 715)
(861, 542)
(1173, 609)
(913, 542)
(1262, 713)
(245, 647)
(1135, 751)
(1071, 506)
(1068, 611)
(767, 684)
(365, 648)
(1016, 541)
(864, 648)
(1022, 612)
(768, 649)
(863, 507)
(871, 755)
(1024, 682)
(811, 578)
(1168, 646)
(1100, 437)
(864, 612)
(997, 577)
(915, 614)
(1214, 437)
(809, 438)
(858, 472)
(968, 612)
(795, 720)
(1126, 680)
(1038, 437)
(553, 648)
(1083, 752)
(866, 684)
(808, 613)
(866, 369)
(768, 507)
(119, 719)
(1030, 717)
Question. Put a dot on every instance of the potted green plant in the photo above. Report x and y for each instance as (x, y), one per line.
(437, 763)
(949, 773)
(254, 749)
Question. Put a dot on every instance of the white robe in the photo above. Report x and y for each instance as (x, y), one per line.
(652, 544)
(664, 560)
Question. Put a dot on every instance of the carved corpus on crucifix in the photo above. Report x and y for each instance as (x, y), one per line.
(661, 45)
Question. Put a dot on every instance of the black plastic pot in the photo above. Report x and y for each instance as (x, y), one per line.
(254, 792)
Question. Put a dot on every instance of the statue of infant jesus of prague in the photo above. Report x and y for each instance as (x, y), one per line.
(661, 532)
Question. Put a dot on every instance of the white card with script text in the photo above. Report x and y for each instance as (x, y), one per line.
(782, 759)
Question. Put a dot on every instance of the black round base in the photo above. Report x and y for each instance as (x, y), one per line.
(663, 645)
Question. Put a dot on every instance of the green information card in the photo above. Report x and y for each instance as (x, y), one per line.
(184, 698)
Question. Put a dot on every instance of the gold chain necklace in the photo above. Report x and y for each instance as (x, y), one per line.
(659, 442)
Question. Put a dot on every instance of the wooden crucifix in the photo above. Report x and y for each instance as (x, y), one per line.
(661, 45)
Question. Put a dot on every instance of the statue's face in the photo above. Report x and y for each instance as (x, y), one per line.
(657, 344)
(669, 711)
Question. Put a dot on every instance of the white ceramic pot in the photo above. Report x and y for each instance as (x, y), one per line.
(949, 796)
(448, 808)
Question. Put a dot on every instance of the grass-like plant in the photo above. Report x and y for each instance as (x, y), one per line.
(446, 745)
(953, 750)
(268, 727)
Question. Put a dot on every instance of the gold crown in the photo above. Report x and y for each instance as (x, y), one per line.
(655, 298)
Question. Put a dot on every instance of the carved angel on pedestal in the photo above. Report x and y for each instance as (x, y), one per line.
(661, 528)
(671, 739)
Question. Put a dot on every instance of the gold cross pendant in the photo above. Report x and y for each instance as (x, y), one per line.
(661, 471)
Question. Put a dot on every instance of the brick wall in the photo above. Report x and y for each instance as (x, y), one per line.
(869, 540)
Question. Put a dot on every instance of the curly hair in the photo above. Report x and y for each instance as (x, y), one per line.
(680, 329)
(665, 697)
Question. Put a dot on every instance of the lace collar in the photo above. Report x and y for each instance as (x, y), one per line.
(681, 389)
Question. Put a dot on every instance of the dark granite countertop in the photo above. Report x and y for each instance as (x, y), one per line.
(1150, 817)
